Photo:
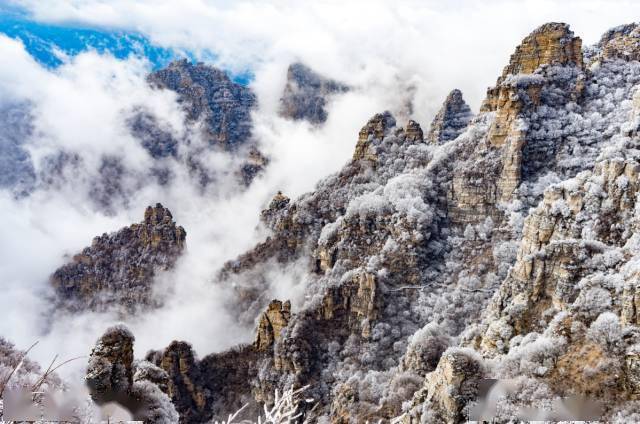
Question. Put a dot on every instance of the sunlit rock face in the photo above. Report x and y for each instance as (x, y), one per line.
(451, 120)
(271, 324)
(306, 94)
(622, 42)
(118, 269)
(545, 75)
(448, 389)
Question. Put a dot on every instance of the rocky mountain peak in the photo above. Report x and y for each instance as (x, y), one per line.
(118, 269)
(451, 120)
(306, 94)
(157, 215)
(550, 44)
(375, 129)
(622, 42)
(413, 132)
(209, 95)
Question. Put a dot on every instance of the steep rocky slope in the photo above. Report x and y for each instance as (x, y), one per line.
(451, 120)
(306, 94)
(217, 119)
(208, 95)
(118, 269)
(507, 252)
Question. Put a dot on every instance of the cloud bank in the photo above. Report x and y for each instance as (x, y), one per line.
(394, 53)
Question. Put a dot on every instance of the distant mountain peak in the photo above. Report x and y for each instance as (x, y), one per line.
(306, 94)
(208, 94)
(117, 271)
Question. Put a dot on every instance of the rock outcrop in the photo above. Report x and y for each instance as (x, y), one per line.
(208, 95)
(562, 242)
(306, 94)
(451, 120)
(113, 377)
(271, 324)
(550, 44)
(509, 252)
(622, 42)
(380, 126)
(448, 389)
(110, 370)
(546, 72)
(185, 386)
(118, 269)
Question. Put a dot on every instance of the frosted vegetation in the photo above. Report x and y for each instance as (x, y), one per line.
(470, 288)
(372, 213)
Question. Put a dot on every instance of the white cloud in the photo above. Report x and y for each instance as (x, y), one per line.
(383, 48)
(439, 45)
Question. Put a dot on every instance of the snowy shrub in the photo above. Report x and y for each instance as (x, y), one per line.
(425, 348)
(591, 303)
(533, 357)
(518, 396)
(285, 410)
(628, 412)
(470, 232)
(607, 332)
(158, 408)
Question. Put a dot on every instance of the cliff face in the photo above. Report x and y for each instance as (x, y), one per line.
(509, 252)
(451, 120)
(208, 95)
(218, 108)
(118, 269)
(622, 42)
(306, 94)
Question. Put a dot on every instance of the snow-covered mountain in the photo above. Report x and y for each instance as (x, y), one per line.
(486, 268)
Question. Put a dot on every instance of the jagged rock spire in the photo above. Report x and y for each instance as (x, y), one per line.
(413, 132)
(179, 362)
(376, 128)
(451, 120)
(550, 44)
(118, 269)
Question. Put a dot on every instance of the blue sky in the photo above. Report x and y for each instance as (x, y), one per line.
(45, 42)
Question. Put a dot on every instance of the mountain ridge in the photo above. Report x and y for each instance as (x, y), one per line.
(506, 249)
